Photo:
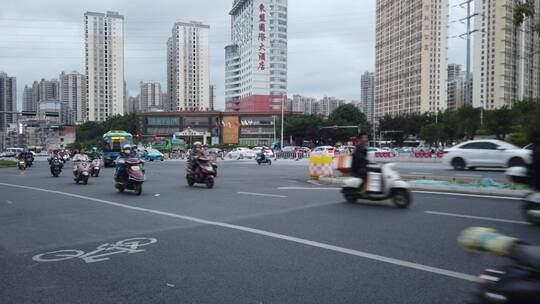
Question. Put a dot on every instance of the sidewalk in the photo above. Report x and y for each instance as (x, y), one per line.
(338, 181)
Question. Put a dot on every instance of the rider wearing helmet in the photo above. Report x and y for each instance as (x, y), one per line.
(94, 154)
(194, 155)
(120, 164)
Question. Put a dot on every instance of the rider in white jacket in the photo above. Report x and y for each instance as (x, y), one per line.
(79, 156)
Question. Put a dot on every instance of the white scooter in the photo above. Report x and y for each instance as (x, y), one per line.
(531, 203)
(382, 183)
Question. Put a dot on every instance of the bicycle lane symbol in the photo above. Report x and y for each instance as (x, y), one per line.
(102, 252)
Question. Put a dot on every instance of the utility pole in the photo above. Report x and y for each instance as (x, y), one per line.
(467, 36)
(468, 75)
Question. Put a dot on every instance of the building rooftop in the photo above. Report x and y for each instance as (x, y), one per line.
(236, 5)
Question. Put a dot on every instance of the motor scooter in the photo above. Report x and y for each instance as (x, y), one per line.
(203, 173)
(134, 175)
(382, 183)
(263, 159)
(56, 167)
(531, 202)
(96, 167)
(21, 164)
(83, 172)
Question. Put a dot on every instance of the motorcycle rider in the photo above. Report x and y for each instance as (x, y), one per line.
(95, 154)
(23, 155)
(77, 158)
(121, 171)
(53, 157)
(359, 159)
(194, 155)
(262, 155)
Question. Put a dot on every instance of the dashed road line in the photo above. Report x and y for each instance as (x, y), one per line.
(262, 194)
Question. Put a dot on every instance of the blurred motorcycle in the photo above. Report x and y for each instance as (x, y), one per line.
(517, 282)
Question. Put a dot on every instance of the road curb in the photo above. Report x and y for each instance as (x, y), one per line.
(446, 189)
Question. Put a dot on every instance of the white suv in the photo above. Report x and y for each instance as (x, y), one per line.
(486, 154)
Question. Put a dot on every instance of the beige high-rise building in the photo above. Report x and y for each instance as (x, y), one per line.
(188, 67)
(505, 67)
(104, 38)
(411, 57)
(150, 96)
(73, 91)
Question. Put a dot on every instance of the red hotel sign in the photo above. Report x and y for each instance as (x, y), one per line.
(262, 37)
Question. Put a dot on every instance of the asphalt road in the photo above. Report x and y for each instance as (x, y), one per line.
(262, 235)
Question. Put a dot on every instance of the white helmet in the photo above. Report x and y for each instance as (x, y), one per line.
(126, 147)
(197, 143)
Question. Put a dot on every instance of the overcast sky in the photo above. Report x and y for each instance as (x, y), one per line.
(331, 43)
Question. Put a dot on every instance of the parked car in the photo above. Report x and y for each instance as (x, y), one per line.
(327, 149)
(486, 154)
(152, 155)
(528, 147)
(267, 151)
(290, 149)
(238, 153)
(346, 149)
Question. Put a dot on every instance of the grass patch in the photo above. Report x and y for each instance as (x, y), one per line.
(4, 163)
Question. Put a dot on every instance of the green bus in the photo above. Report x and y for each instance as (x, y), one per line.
(112, 144)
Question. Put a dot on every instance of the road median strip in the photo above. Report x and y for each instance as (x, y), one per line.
(479, 191)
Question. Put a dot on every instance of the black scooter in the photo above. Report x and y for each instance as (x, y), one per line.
(56, 167)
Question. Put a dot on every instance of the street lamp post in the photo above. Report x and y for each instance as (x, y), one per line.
(282, 120)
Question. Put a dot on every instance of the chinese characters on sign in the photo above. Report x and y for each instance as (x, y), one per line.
(262, 37)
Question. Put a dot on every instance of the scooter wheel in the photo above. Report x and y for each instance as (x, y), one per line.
(401, 198)
(269, 162)
(531, 212)
(138, 189)
(97, 174)
(349, 195)
(190, 181)
(85, 180)
(210, 183)
(121, 189)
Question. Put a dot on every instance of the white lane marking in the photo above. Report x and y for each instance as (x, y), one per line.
(468, 175)
(420, 173)
(157, 194)
(262, 194)
(308, 188)
(468, 195)
(477, 217)
(379, 258)
(9, 202)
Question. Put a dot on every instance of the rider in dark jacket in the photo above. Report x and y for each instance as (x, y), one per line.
(121, 171)
(359, 158)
